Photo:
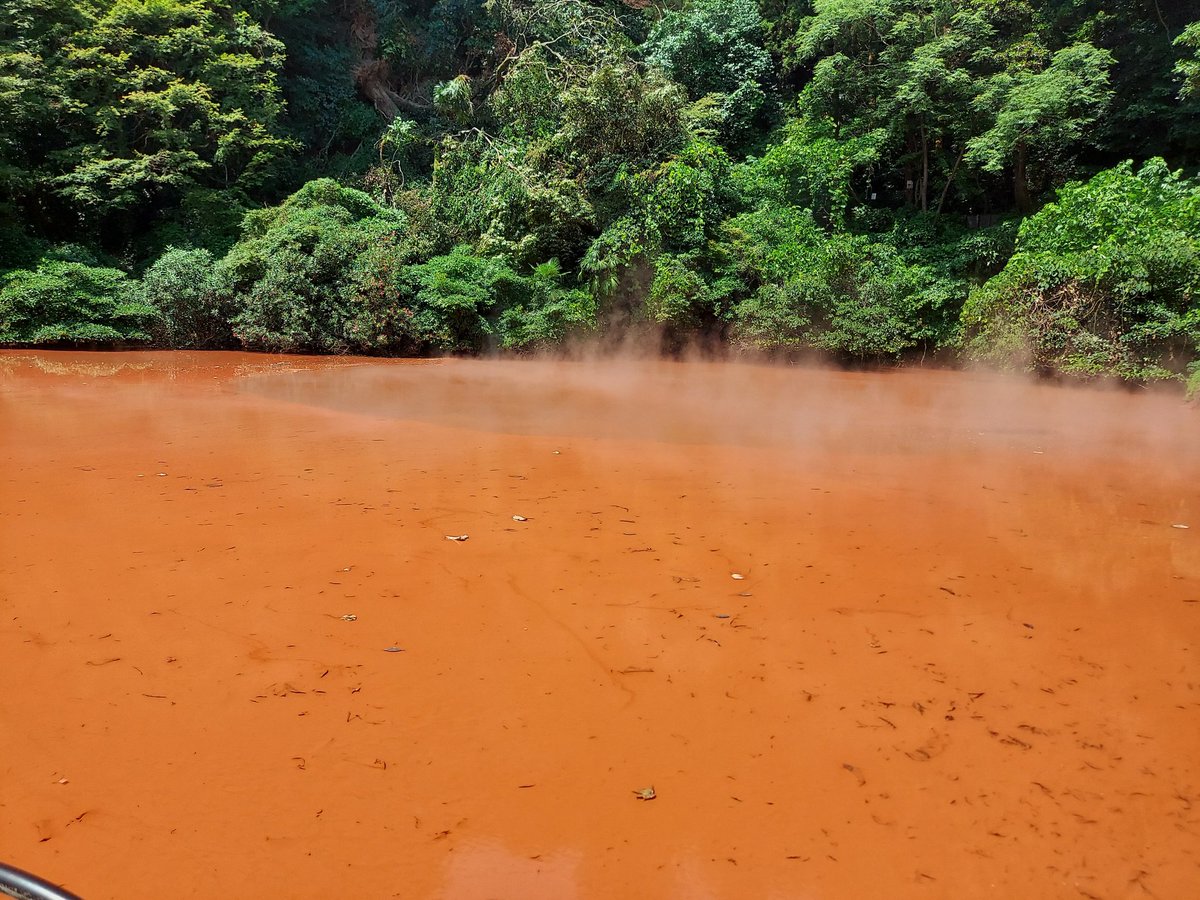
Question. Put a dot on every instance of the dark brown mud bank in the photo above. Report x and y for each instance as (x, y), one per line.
(866, 635)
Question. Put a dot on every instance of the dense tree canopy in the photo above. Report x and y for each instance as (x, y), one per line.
(131, 110)
(1007, 179)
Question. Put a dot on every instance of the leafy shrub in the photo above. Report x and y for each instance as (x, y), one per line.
(452, 99)
(379, 313)
(185, 286)
(527, 104)
(673, 212)
(885, 306)
(465, 302)
(452, 298)
(291, 274)
(620, 118)
(546, 312)
(62, 301)
(678, 295)
(850, 295)
(1105, 281)
(684, 200)
(810, 165)
(492, 196)
(1188, 68)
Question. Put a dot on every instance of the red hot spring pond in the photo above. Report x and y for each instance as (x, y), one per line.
(905, 634)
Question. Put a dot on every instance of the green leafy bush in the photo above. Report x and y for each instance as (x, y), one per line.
(854, 296)
(1188, 68)
(1106, 281)
(379, 312)
(452, 99)
(291, 274)
(497, 197)
(463, 302)
(810, 165)
(679, 295)
(186, 287)
(545, 312)
(68, 302)
(885, 306)
(454, 297)
(685, 199)
(619, 118)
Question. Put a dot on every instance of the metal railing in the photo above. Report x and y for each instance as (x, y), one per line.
(23, 886)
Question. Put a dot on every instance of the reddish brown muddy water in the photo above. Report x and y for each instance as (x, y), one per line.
(911, 634)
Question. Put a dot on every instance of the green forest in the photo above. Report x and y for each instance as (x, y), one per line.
(1005, 181)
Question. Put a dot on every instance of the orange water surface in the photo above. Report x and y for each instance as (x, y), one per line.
(889, 635)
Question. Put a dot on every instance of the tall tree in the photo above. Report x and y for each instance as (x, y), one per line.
(715, 48)
(914, 71)
(1042, 116)
(135, 103)
(1188, 68)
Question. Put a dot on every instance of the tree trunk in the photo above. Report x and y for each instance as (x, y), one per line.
(924, 170)
(371, 74)
(1021, 179)
(910, 169)
(950, 180)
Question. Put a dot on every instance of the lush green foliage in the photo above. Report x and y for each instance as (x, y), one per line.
(463, 301)
(714, 48)
(1188, 68)
(844, 177)
(849, 294)
(331, 270)
(290, 276)
(1105, 281)
(62, 301)
(194, 305)
(119, 110)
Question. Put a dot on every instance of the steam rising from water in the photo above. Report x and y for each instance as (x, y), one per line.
(903, 411)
